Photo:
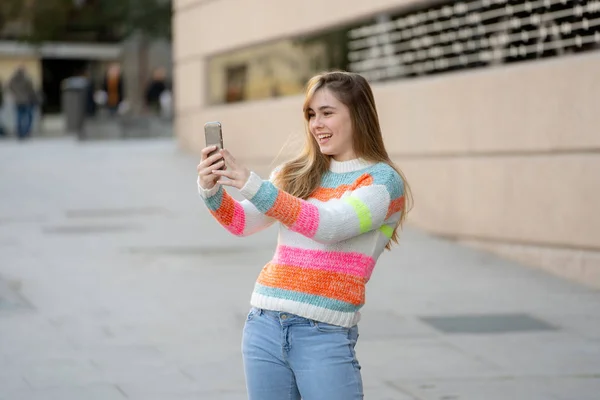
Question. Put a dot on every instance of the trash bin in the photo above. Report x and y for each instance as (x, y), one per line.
(74, 91)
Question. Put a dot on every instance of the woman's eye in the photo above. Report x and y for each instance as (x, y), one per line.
(327, 113)
(310, 116)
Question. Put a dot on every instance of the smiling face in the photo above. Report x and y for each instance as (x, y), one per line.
(330, 124)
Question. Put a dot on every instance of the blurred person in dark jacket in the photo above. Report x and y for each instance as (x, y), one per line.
(2, 132)
(156, 87)
(21, 88)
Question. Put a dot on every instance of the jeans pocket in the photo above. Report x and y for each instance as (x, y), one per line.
(253, 312)
(329, 328)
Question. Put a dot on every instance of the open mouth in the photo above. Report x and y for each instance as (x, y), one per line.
(323, 138)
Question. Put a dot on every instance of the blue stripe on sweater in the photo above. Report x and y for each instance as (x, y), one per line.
(214, 202)
(332, 180)
(265, 197)
(381, 172)
(319, 301)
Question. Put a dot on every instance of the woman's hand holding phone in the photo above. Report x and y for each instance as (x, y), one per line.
(207, 165)
(236, 175)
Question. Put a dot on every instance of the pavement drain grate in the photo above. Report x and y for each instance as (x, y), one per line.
(116, 212)
(488, 323)
(192, 250)
(87, 229)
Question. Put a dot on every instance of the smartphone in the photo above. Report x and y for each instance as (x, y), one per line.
(213, 135)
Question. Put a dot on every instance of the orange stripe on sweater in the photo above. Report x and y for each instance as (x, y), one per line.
(226, 211)
(324, 194)
(286, 208)
(395, 206)
(347, 288)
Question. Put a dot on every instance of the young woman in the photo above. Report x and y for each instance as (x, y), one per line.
(339, 205)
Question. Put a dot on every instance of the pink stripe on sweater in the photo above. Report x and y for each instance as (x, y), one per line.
(356, 264)
(238, 223)
(307, 221)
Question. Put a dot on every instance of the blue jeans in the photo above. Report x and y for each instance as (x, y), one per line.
(24, 120)
(287, 357)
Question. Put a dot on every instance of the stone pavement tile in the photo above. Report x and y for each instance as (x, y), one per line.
(27, 340)
(526, 354)
(124, 356)
(201, 351)
(391, 360)
(584, 324)
(228, 396)
(88, 392)
(157, 382)
(458, 280)
(532, 388)
(11, 381)
(62, 373)
(84, 332)
(134, 378)
(131, 366)
(563, 300)
(575, 388)
(226, 375)
(198, 395)
(469, 389)
(377, 324)
(384, 391)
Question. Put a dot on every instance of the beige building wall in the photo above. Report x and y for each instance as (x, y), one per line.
(506, 159)
(8, 65)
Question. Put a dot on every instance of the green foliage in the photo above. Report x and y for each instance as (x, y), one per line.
(95, 20)
(151, 17)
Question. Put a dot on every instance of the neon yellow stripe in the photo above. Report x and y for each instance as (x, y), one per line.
(387, 231)
(362, 212)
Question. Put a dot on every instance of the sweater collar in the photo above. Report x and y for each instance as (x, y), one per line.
(348, 166)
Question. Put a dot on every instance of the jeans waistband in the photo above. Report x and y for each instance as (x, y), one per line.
(283, 316)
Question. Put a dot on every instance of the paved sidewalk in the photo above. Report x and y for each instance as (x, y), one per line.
(115, 283)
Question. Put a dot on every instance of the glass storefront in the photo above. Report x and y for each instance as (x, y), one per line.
(439, 39)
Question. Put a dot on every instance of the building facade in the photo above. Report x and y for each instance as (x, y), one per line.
(490, 107)
(56, 42)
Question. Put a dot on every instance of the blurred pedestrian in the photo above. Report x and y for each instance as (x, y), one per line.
(339, 204)
(25, 98)
(90, 89)
(155, 88)
(113, 85)
(2, 131)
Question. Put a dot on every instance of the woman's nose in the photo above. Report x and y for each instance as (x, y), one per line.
(316, 122)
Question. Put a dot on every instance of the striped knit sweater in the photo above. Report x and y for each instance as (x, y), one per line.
(327, 245)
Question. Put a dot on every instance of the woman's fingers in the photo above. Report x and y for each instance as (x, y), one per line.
(213, 159)
(208, 162)
(206, 151)
(227, 182)
(227, 177)
(229, 159)
(228, 173)
(208, 169)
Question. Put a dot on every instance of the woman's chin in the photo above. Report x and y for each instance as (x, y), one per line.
(326, 151)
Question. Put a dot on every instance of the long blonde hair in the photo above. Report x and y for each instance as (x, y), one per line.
(302, 175)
